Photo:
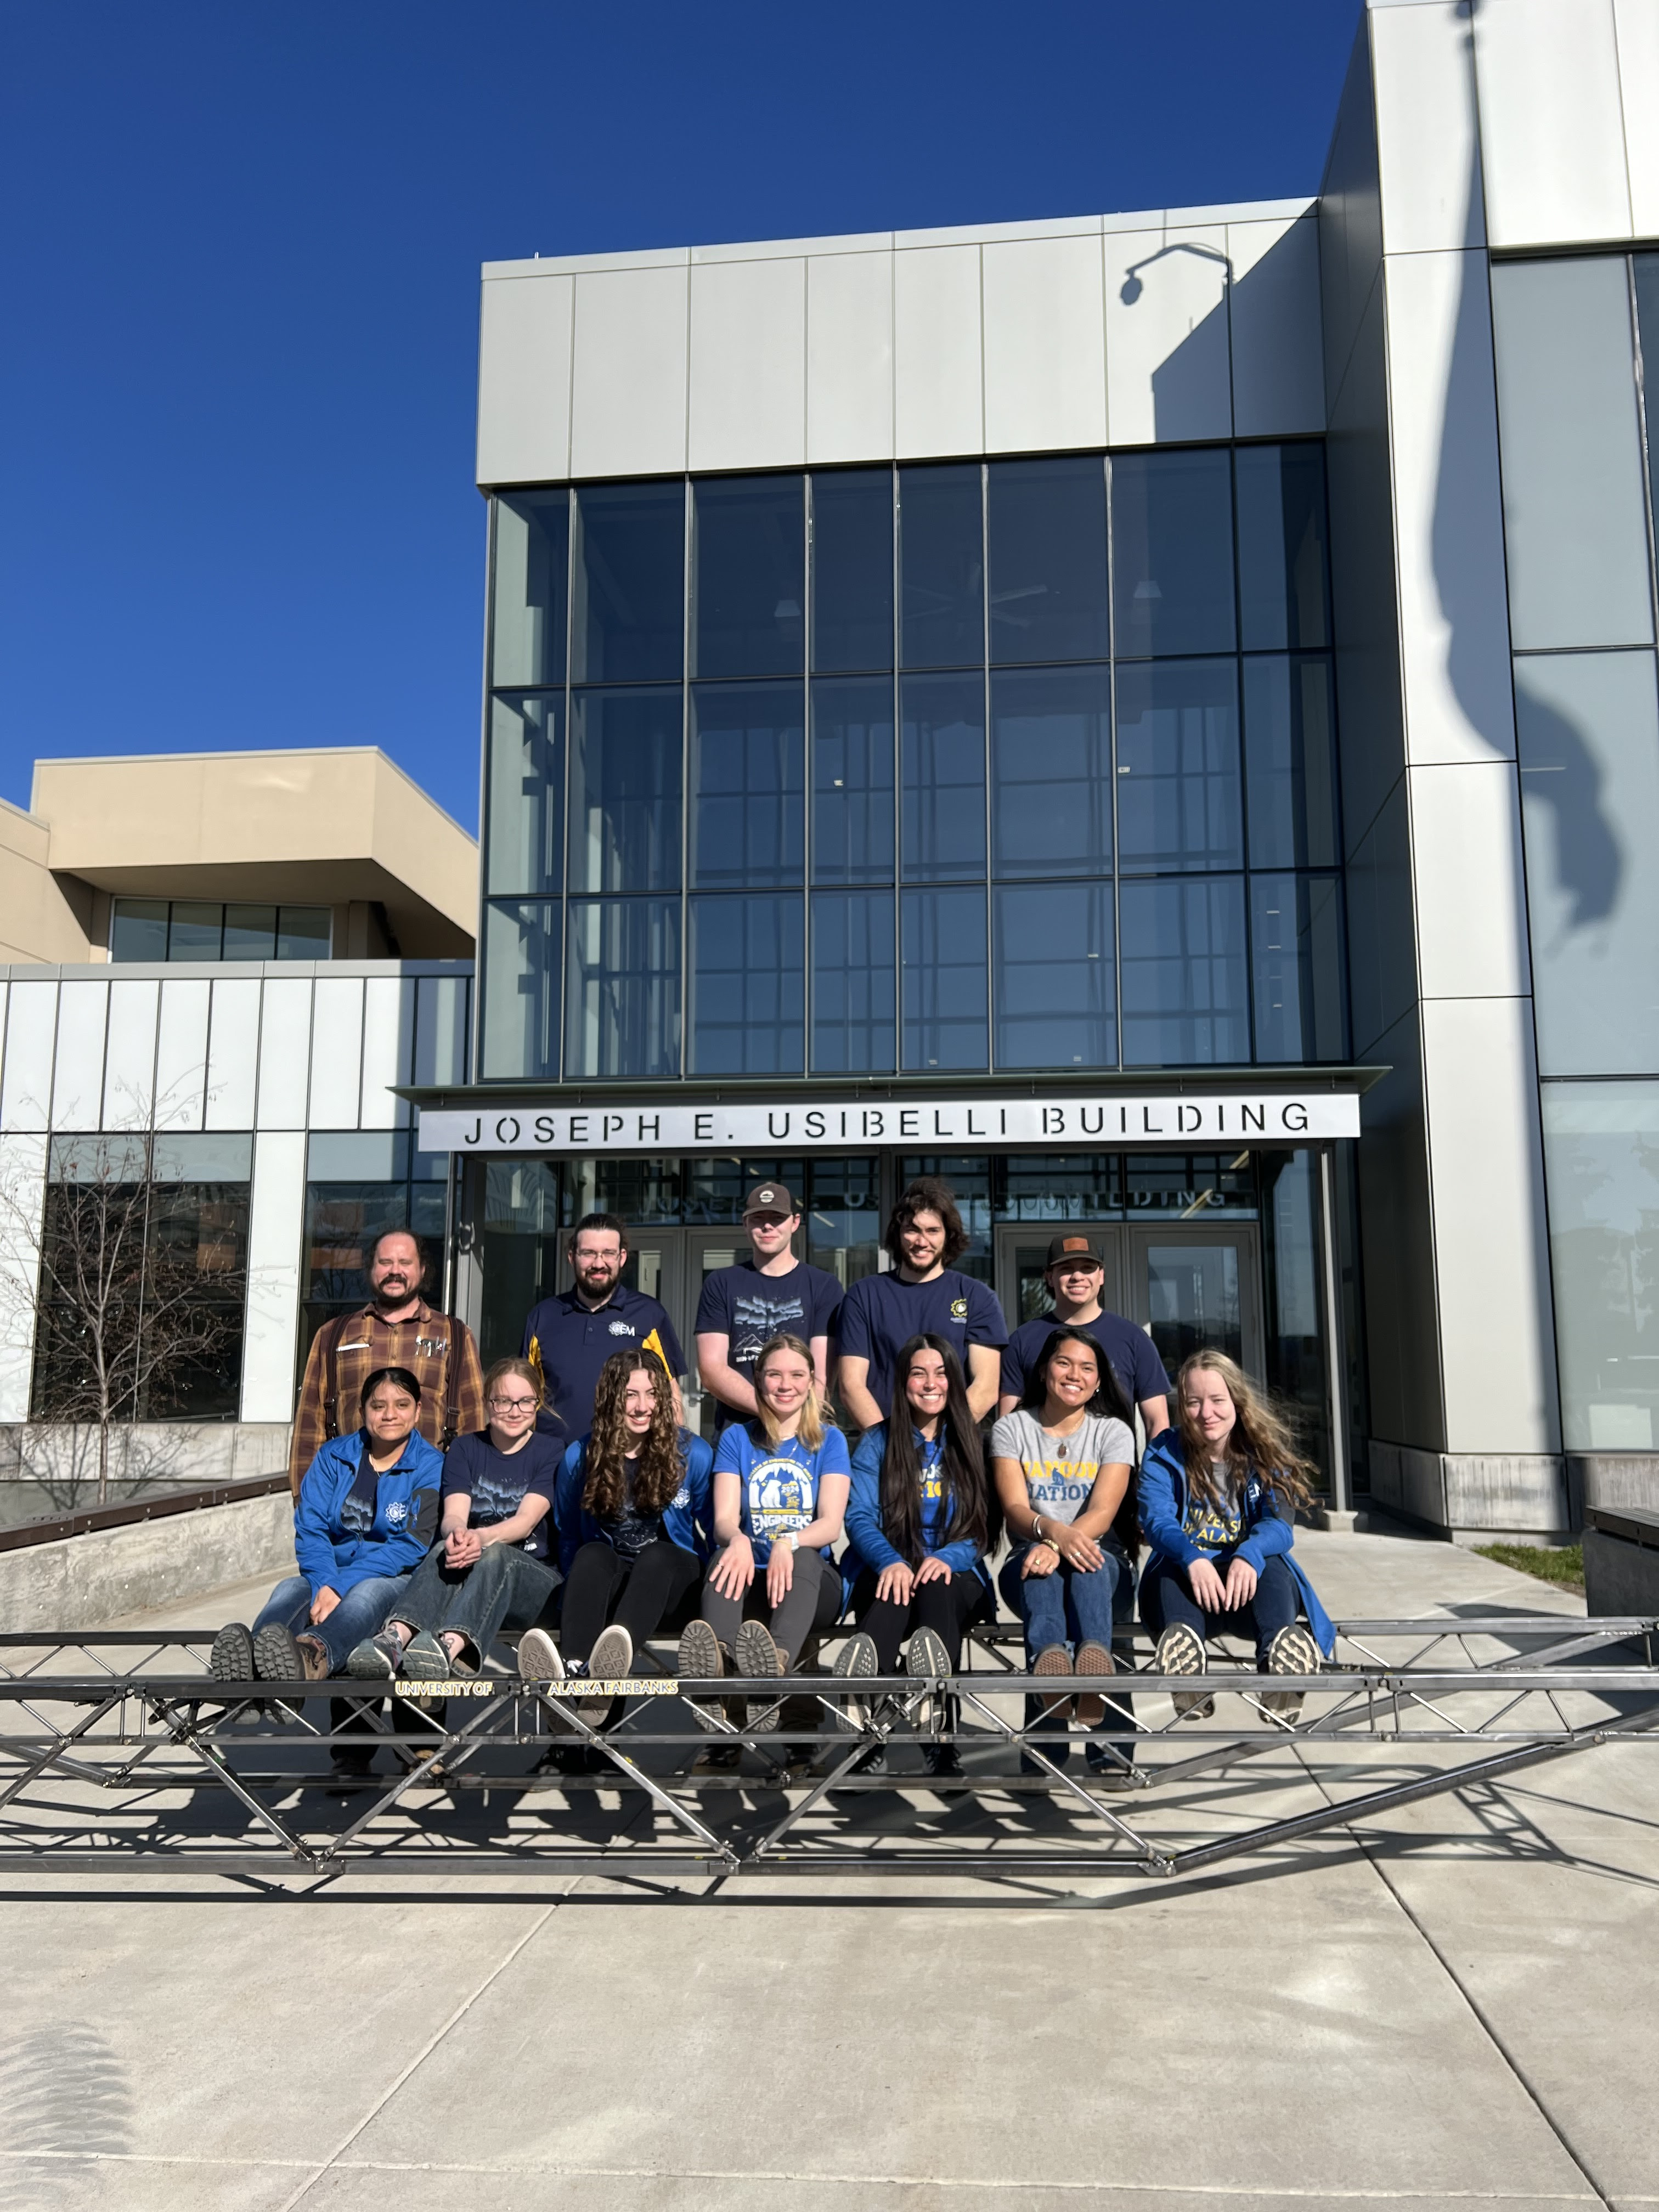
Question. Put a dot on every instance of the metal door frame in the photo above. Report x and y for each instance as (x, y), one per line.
(1221, 1229)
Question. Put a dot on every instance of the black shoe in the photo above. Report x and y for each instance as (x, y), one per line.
(231, 1659)
(941, 1759)
(347, 1775)
(1056, 1748)
(568, 1759)
(277, 1656)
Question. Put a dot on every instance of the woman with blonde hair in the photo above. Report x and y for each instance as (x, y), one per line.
(1218, 1497)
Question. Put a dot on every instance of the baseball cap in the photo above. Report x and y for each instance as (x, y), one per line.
(1075, 1247)
(770, 1197)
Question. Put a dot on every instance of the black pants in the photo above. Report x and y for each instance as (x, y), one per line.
(1166, 1597)
(811, 1602)
(639, 1595)
(950, 1609)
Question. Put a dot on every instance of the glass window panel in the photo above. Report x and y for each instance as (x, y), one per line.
(138, 929)
(715, 1188)
(853, 569)
(1046, 527)
(249, 932)
(533, 571)
(941, 567)
(625, 753)
(1178, 797)
(195, 930)
(943, 977)
(854, 971)
(843, 1217)
(303, 932)
(1082, 1187)
(521, 988)
(1184, 1185)
(1290, 762)
(1587, 725)
(1172, 552)
(357, 1156)
(748, 986)
(622, 988)
(216, 1157)
(1601, 1166)
(1055, 983)
(1186, 993)
(749, 808)
(645, 1193)
(852, 780)
(628, 618)
(1575, 525)
(1296, 945)
(1051, 770)
(1282, 592)
(524, 838)
(749, 584)
(943, 767)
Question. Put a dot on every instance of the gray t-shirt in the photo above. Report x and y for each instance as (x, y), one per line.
(1061, 1471)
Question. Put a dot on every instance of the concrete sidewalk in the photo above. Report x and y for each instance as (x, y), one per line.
(1458, 2012)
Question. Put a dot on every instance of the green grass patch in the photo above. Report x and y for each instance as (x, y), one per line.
(1562, 1564)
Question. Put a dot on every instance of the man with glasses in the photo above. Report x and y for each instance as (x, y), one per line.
(742, 1306)
(1076, 1276)
(567, 1338)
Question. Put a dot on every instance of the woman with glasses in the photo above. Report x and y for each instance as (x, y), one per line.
(491, 1567)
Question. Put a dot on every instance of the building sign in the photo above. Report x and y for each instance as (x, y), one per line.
(1162, 1119)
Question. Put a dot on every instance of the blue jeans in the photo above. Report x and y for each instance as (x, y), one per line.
(1070, 1607)
(505, 1589)
(361, 1612)
(1166, 1598)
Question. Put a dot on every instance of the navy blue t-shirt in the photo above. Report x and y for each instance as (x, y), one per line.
(496, 1481)
(1131, 1353)
(746, 1307)
(570, 1342)
(881, 1313)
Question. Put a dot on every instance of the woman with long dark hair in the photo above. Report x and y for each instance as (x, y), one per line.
(1218, 1494)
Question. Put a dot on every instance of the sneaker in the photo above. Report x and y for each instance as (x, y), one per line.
(941, 1759)
(927, 1660)
(277, 1656)
(721, 1757)
(1056, 1660)
(856, 1662)
(1292, 1652)
(1092, 1659)
(611, 1660)
(425, 1660)
(567, 1759)
(1180, 1651)
(757, 1656)
(377, 1658)
(700, 1659)
(231, 1659)
(538, 1657)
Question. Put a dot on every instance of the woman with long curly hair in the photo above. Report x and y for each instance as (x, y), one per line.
(1217, 1497)
(632, 1508)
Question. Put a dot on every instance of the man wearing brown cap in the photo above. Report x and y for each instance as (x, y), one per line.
(1076, 1276)
(770, 1291)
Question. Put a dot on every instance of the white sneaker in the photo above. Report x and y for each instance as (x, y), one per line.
(538, 1657)
(1180, 1651)
(1292, 1652)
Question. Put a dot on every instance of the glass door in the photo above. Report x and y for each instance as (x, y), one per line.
(705, 1251)
(1197, 1289)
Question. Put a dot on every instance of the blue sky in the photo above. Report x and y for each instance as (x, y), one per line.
(240, 289)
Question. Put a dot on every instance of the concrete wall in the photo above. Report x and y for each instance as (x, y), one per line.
(86, 1582)
(41, 918)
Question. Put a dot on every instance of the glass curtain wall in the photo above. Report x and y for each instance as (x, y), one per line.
(359, 1182)
(1027, 764)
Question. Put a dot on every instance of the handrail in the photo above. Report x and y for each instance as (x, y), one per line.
(137, 1509)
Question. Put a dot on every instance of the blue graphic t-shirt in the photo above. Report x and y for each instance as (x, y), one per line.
(747, 1307)
(496, 1482)
(780, 1482)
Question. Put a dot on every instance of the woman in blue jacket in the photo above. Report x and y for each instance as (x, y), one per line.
(365, 1513)
(918, 1529)
(1217, 1496)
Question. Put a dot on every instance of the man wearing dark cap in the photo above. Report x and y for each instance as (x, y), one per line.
(771, 1291)
(1076, 1275)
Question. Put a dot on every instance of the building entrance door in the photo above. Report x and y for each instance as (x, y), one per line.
(1198, 1288)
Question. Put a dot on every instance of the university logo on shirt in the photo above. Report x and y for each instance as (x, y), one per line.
(779, 1497)
(1056, 1482)
(958, 1309)
(623, 1328)
(397, 1513)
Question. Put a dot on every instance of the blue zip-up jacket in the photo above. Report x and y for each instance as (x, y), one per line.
(867, 1545)
(688, 1519)
(337, 1543)
(1161, 1495)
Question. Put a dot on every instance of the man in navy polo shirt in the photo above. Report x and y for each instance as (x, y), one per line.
(1076, 1276)
(567, 1338)
(772, 1291)
(923, 1296)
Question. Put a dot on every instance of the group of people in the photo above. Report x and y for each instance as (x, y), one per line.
(561, 1495)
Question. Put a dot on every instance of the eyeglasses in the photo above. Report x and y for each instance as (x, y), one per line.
(512, 1405)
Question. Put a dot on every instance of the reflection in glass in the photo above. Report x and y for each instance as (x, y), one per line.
(749, 580)
(1290, 762)
(943, 771)
(1587, 730)
(1046, 527)
(138, 929)
(521, 988)
(748, 986)
(625, 750)
(1575, 523)
(1186, 994)
(627, 614)
(843, 1226)
(1051, 771)
(1056, 989)
(941, 567)
(622, 988)
(1282, 598)
(853, 983)
(303, 932)
(1193, 1301)
(943, 979)
(531, 587)
(1601, 1167)
(853, 568)
(524, 839)
(195, 930)
(1172, 552)
(251, 933)
(749, 806)
(853, 779)
(1296, 945)
(1178, 797)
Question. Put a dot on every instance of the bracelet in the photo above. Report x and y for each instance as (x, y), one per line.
(1038, 1536)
